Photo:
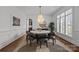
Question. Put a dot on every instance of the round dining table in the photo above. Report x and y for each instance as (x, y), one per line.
(39, 34)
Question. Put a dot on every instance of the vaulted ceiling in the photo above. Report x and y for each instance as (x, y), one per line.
(34, 10)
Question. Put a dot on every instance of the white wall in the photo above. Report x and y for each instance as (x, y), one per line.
(75, 22)
(7, 31)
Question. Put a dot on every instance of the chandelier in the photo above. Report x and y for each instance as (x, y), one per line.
(40, 18)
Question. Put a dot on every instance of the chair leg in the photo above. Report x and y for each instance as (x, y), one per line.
(48, 38)
(37, 41)
(53, 41)
(40, 44)
(30, 43)
(27, 40)
(46, 44)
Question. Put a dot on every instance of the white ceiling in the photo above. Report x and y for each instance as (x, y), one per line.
(34, 10)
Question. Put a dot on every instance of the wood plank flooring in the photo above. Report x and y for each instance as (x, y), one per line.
(16, 45)
(68, 44)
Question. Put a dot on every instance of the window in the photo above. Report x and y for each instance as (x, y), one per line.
(58, 21)
(64, 22)
(69, 22)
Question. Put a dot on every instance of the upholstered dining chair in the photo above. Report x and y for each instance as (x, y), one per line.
(43, 38)
(29, 37)
(52, 36)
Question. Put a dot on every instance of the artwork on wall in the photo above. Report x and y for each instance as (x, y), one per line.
(16, 21)
(30, 24)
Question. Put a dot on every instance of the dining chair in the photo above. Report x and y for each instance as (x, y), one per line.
(52, 36)
(43, 38)
(29, 37)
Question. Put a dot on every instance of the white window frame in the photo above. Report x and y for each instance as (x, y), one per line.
(63, 27)
(58, 23)
(62, 23)
(69, 32)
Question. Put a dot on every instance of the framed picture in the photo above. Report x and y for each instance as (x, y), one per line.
(16, 21)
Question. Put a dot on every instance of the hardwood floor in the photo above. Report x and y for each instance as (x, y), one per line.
(16, 45)
(36, 48)
(68, 45)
